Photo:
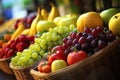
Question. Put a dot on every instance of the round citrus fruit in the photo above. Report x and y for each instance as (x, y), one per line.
(89, 19)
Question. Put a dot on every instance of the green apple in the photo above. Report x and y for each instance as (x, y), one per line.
(107, 14)
(44, 25)
(58, 64)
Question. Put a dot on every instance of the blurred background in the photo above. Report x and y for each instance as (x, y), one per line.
(20, 8)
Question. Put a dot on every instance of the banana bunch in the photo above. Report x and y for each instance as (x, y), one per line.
(19, 30)
(34, 23)
(53, 13)
(42, 14)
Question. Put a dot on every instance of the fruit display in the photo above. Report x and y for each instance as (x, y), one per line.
(42, 46)
(78, 46)
(16, 45)
(44, 20)
(22, 25)
(66, 20)
(89, 19)
(55, 42)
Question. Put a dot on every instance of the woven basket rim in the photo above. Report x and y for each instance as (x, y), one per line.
(86, 61)
(21, 67)
(4, 59)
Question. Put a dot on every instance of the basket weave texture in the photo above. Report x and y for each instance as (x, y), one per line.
(22, 73)
(4, 66)
(103, 65)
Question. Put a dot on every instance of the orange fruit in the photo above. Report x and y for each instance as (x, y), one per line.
(89, 19)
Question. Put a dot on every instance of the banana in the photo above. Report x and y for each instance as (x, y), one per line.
(26, 31)
(34, 23)
(19, 30)
(53, 13)
(44, 14)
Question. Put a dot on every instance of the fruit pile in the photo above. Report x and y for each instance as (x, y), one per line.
(5, 36)
(42, 46)
(16, 45)
(76, 47)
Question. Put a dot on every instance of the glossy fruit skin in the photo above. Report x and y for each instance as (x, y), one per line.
(89, 19)
(74, 57)
(55, 56)
(107, 14)
(44, 67)
(58, 64)
(114, 24)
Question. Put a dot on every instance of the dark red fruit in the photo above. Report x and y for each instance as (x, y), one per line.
(94, 43)
(31, 38)
(10, 53)
(94, 32)
(82, 40)
(99, 29)
(19, 46)
(65, 40)
(101, 44)
(78, 35)
(87, 30)
(73, 35)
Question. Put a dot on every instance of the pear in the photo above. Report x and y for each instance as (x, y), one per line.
(44, 25)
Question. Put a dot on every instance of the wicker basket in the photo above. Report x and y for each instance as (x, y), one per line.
(4, 66)
(22, 73)
(103, 65)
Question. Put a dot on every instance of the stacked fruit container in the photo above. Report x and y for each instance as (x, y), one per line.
(47, 46)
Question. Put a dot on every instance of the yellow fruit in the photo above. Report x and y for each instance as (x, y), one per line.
(57, 65)
(114, 24)
(19, 30)
(44, 14)
(53, 13)
(44, 25)
(89, 19)
(34, 23)
(26, 31)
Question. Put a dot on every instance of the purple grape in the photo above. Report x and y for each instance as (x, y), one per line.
(87, 30)
(94, 43)
(75, 41)
(73, 35)
(67, 51)
(85, 34)
(78, 35)
(65, 40)
(101, 44)
(65, 46)
(82, 40)
(69, 42)
(99, 29)
(90, 38)
(111, 37)
(85, 46)
(102, 36)
(78, 47)
(94, 32)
